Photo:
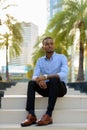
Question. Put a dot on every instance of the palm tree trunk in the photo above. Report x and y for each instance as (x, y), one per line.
(7, 74)
(80, 76)
(72, 64)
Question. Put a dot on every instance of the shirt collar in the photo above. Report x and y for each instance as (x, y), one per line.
(51, 56)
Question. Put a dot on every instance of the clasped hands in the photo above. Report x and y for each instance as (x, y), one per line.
(41, 82)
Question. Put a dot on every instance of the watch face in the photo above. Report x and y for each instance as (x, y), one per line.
(45, 76)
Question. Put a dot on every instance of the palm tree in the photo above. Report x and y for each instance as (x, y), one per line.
(29, 71)
(8, 37)
(38, 52)
(73, 15)
(3, 7)
(11, 39)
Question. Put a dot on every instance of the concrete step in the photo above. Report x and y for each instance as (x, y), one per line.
(16, 91)
(21, 84)
(23, 91)
(72, 91)
(66, 102)
(20, 88)
(70, 112)
(14, 116)
(63, 126)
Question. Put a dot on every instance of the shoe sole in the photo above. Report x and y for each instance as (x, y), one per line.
(28, 125)
(44, 124)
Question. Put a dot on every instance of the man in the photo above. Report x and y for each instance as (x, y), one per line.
(49, 80)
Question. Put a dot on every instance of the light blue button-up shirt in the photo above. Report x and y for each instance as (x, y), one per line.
(57, 64)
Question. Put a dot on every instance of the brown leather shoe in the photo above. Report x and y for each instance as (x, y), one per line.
(29, 120)
(45, 120)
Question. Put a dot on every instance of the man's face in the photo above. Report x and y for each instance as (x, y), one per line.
(48, 45)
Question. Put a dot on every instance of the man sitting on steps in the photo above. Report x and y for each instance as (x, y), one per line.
(49, 80)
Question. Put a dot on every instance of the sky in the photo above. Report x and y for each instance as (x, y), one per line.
(34, 11)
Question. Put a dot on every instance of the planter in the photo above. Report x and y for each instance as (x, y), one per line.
(81, 86)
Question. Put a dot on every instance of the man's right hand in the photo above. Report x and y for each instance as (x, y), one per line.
(42, 84)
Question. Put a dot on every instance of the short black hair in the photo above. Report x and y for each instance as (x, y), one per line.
(46, 39)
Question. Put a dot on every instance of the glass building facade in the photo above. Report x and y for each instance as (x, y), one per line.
(30, 34)
(52, 7)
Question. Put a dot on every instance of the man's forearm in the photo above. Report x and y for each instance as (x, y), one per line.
(53, 76)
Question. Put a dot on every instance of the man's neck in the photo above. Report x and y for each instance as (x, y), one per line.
(48, 55)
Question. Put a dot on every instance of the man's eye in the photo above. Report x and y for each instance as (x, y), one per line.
(46, 44)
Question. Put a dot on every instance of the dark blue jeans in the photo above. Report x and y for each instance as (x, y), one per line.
(55, 88)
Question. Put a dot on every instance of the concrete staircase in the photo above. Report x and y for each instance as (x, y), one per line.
(70, 111)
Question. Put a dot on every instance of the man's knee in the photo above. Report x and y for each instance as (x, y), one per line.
(31, 82)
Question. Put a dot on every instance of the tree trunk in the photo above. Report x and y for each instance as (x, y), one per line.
(7, 73)
(80, 76)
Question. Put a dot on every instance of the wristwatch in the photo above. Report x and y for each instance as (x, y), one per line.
(46, 76)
